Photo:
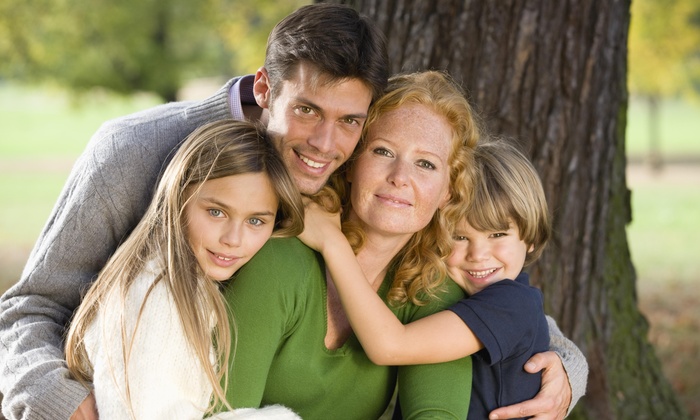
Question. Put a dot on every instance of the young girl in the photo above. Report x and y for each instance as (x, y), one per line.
(152, 334)
(502, 322)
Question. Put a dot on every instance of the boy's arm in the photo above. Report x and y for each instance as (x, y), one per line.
(440, 337)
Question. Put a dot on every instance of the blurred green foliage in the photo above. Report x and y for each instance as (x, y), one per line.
(664, 47)
(134, 45)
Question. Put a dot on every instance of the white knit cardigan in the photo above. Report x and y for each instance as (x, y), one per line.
(166, 381)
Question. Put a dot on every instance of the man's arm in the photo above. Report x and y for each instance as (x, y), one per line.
(564, 365)
(105, 196)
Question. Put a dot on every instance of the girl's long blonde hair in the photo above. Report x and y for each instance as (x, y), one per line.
(216, 150)
(420, 265)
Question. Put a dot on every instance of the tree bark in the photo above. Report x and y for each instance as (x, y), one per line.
(551, 75)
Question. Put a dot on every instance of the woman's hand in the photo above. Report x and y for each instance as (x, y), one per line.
(320, 226)
(552, 402)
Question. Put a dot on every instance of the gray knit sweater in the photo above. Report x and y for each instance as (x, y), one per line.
(105, 196)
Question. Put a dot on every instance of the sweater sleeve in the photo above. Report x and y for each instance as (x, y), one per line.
(573, 360)
(106, 194)
(165, 378)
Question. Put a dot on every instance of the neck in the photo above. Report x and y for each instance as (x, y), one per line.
(377, 253)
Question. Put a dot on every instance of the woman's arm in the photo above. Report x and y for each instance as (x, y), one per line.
(440, 337)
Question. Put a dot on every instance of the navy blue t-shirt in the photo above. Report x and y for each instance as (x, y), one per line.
(508, 317)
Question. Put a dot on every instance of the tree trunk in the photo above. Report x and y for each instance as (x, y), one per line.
(551, 74)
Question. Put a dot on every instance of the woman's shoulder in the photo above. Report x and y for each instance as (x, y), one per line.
(283, 253)
(282, 262)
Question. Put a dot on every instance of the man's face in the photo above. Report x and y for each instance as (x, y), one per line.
(315, 124)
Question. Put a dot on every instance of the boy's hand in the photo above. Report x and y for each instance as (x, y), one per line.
(320, 226)
(552, 402)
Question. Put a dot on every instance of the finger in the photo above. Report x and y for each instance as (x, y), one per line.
(541, 361)
(538, 408)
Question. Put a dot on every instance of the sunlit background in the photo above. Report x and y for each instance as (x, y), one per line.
(70, 66)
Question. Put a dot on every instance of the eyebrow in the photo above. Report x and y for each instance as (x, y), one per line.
(425, 151)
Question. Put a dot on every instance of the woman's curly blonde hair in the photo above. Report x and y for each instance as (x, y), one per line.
(420, 265)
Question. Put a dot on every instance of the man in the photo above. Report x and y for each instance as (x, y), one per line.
(324, 65)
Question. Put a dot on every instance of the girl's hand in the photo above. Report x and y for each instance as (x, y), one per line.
(320, 226)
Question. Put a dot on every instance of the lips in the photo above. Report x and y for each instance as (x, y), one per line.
(394, 200)
(482, 273)
(311, 163)
(222, 260)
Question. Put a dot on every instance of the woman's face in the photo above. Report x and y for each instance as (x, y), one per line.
(402, 176)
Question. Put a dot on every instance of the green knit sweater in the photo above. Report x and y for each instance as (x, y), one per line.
(278, 301)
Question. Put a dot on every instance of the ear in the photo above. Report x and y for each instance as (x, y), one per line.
(532, 248)
(261, 88)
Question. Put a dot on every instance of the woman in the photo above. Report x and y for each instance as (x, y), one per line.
(294, 345)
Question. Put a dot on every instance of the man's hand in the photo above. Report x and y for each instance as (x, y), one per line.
(552, 402)
(87, 410)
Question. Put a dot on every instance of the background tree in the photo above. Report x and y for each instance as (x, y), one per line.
(551, 75)
(664, 56)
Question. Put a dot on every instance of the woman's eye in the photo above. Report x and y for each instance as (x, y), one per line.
(459, 238)
(216, 213)
(382, 151)
(426, 164)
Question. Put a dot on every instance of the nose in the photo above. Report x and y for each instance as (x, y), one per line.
(322, 138)
(477, 251)
(232, 235)
(399, 174)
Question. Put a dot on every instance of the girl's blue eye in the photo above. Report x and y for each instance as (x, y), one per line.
(215, 213)
(255, 221)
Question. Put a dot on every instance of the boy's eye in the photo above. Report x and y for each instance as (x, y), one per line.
(498, 234)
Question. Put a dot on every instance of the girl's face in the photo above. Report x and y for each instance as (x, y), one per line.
(228, 220)
(402, 176)
(480, 258)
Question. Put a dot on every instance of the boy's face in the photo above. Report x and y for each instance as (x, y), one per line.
(315, 124)
(480, 259)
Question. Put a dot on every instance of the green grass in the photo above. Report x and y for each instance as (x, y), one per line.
(664, 231)
(48, 122)
(679, 128)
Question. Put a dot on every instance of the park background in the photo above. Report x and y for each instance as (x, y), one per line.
(47, 118)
